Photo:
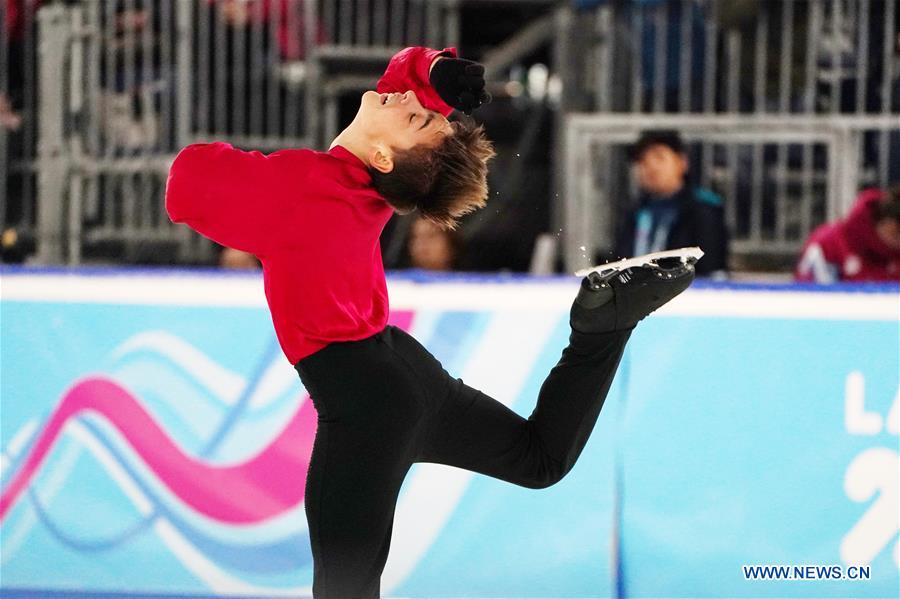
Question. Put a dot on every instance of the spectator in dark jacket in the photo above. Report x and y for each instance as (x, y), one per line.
(865, 246)
(670, 212)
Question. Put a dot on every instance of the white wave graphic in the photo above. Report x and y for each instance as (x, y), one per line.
(434, 490)
(55, 480)
(19, 439)
(277, 528)
(220, 381)
(194, 417)
(278, 379)
(187, 413)
(224, 384)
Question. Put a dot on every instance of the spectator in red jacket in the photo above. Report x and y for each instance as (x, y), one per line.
(865, 246)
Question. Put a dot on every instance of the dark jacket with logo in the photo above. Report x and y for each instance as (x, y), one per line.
(693, 216)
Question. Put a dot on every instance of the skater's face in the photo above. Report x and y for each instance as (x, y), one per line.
(398, 122)
(888, 231)
(660, 170)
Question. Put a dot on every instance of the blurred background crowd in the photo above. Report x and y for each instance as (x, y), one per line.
(766, 132)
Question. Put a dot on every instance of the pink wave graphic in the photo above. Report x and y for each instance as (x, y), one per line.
(264, 486)
(243, 493)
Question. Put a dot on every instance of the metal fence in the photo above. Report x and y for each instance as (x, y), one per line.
(786, 201)
(103, 92)
(797, 74)
(824, 56)
(108, 90)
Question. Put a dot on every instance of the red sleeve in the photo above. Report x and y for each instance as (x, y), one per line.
(408, 70)
(821, 259)
(239, 199)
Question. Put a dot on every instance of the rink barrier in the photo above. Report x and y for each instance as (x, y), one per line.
(749, 424)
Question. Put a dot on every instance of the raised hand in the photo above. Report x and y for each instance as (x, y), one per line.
(459, 83)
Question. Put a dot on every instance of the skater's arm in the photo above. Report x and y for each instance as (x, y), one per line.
(239, 199)
(409, 69)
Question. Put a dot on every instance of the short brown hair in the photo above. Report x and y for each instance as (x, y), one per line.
(889, 207)
(442, 182)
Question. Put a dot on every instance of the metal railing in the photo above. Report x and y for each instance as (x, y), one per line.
(84, 171)
(790, 106)
(143, 78)
(824, 56)
(785, 204)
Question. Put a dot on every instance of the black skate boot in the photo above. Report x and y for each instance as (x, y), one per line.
(611, 299)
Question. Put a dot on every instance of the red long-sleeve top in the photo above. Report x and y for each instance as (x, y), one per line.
(312, 218)
(850, 249)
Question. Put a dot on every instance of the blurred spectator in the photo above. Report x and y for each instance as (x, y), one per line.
(670, 212)
(247, 44)
(433, 248)
(15, 248)
(17, 126)
(19, 16)
(865, 246)
(233, 259)
(9, 119)
(131, 73)
(286, 15)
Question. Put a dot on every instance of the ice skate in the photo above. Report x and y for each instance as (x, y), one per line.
(618, 295)
(686, 255)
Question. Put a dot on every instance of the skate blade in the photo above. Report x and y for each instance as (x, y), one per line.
(687, 255)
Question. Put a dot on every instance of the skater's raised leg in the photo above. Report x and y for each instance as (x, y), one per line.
(477, 433)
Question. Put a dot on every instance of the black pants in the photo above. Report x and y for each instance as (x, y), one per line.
(385, 403)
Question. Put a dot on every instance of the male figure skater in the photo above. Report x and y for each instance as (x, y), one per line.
(383, 401)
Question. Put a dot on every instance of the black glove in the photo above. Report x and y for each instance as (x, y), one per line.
(459, 83)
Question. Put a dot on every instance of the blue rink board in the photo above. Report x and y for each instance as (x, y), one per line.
(736, 453)
(724, 443)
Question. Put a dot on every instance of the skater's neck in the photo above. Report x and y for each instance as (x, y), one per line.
(354, 140)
